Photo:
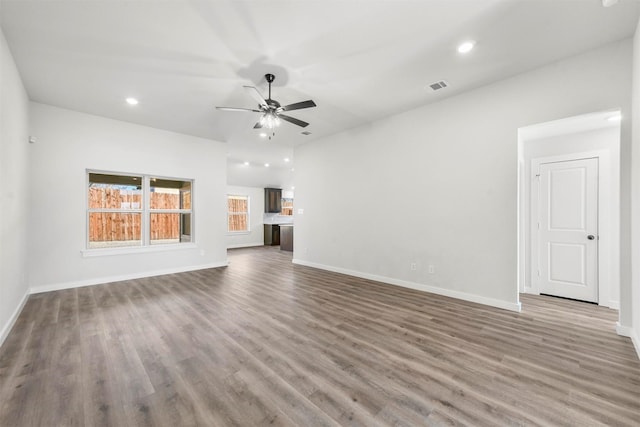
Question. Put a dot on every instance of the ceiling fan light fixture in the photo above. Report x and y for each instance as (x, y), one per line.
(270, 120)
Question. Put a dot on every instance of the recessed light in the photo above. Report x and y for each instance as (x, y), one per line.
(615, 118)
(466, 47)
(286, 159)
(246, 163)
(132, 101)
(266, 165)
(293, 188)
(263, 135)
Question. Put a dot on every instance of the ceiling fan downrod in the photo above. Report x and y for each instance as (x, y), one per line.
(270, 78)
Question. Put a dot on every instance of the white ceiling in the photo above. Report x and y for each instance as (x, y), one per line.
(359, 60)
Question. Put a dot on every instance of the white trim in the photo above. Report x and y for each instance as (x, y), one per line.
(123, 250)
(615, 305)
(623, 331)
(12, 320)
(635, 339)
(245, 245)
(119, 278)
(417, 286)
(628, 331)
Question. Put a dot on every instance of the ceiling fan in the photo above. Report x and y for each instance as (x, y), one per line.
(271, 109)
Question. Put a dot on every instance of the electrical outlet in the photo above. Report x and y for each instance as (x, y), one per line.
(432, 269)
(414, 266)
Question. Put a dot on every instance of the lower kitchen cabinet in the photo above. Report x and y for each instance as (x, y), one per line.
(271, 234)
(286, 238)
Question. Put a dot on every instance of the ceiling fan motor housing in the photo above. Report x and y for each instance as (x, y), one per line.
(272, 103)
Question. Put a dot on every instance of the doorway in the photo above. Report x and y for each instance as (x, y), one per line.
(577, 160)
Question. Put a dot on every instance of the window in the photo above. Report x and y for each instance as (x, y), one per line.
(287, 207)
(137, 210)
(170, 211)
(237, 213)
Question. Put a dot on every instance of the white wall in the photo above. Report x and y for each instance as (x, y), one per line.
(438, 185)
(255, 236)
(605, 143)
(634, 331)
(14, 181)
(68, 144)
(277, 175)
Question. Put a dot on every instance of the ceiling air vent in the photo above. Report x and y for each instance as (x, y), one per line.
(438, 85)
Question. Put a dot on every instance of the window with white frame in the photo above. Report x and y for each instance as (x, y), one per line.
(137, 210)
(237, 213)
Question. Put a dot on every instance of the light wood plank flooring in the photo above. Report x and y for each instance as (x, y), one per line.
(265, 342)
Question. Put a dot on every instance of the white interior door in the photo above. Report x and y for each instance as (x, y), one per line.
(568, 229)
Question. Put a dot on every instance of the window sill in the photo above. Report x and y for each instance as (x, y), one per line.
(237, 233)
(86, 253)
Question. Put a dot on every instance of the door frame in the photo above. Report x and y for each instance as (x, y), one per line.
(608, 224)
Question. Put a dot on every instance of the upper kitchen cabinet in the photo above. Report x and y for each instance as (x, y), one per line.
(272, 200)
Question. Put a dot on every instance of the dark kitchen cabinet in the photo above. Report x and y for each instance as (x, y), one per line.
(272, 200)
(271, 234)
(286, 237)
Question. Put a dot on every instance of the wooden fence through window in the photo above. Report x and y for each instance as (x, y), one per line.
(126, 226)
(238, 208)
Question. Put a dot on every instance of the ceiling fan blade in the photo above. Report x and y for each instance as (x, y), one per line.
(238, 109)
(258, 126)
(256, 95)
(293, 120)
(299, 105)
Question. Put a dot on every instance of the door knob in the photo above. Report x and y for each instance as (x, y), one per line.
(591, 237)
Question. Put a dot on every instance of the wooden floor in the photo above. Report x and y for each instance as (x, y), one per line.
(264, 342)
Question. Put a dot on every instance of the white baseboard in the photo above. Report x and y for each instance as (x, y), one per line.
(627, 331)
(12, 320)
(245, 245)
(615, 305)
(120, 278)
(635, 339)
(624, 331)
(417, 286)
